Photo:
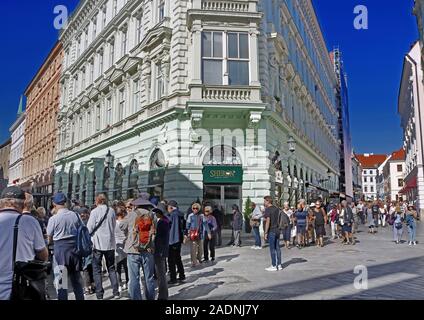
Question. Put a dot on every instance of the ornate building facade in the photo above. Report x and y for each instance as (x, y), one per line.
(4, 163)
(17, 131)
(43, 96)
(196, 99)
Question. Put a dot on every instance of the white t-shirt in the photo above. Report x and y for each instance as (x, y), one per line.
(30, 241)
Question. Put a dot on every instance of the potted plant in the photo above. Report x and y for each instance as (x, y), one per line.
(247, 214)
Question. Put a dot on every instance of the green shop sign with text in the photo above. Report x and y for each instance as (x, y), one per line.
(223, 175)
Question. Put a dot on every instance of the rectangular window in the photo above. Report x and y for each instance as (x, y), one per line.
(94, 27)
(76, 81)
(238, 58)
(212, 58)
(136, 96)
(98, 118)
(159, 82)
(365, 179)
(366, 189)
(80, 129)
(124, 42)
(86, 38)
(108, 112)
(88, 124)
(400, 183)
(399, 168)
(104, 13)
(371, 179)
(83, 79)
(111, 52)
(161, 10)
(78, 47)
(139, 29)
(91, 71)
(101, 63)
(372, 189)
(121, 107)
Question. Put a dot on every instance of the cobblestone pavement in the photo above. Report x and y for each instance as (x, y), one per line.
(394, 271)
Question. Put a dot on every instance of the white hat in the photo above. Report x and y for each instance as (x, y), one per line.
(312, 205)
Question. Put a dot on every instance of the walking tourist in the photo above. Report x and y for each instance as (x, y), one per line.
(334, 219)
(176, 237)
(398, 225)
(87, 262)
(161, 251)
(30, 243)
(320, 219)
(411, 217)
(139, 228)
(197, 227)
(237, 225)
(101, 225)
(121, 261)
(287, 229)
(370, 220)
(272, 233)
(301, 218)
(255, 222)
(347, 215)
(62, 229)
(209, 243)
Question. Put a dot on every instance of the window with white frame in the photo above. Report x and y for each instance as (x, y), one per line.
(80, 129)
(238, 58)
(111, 51)
(89, 123)
(73, 128)
(136, 95)
(139, 28)
(161, 10)
(104, 16)
(83, 79)
(212, 57)
(91, 71)
(225, 53)
(76, 86)
(98, 118)
(85, 38)
(101, 62)
(94, 27)
(121, 106)
(109, 111)
(124, 35)
(160, 85)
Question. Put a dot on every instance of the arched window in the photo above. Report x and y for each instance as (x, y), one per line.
(119, 177)
(222, 155)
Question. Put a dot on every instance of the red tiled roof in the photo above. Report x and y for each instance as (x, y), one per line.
(372, 160)
(398, 155)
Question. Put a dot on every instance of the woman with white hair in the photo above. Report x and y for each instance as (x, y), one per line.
(255, 222)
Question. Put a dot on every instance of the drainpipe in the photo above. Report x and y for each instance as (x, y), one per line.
(419, 106)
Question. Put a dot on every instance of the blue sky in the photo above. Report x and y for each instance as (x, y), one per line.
(373, 59)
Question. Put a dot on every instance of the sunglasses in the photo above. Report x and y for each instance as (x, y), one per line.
(195, 209)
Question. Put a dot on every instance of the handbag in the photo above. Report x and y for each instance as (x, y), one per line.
(398, 225)
(29, 278)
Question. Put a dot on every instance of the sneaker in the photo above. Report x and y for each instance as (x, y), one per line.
(271, 269)
(124, 286)
(117, 296)
(258, 248)
(415, 243)
(410, 243)
(181, 278)
(253, 247)
(171, 282)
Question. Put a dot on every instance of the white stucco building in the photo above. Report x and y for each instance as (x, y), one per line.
(17, 131)
(194, 98)
(410, 109)
(393, 176)
(371, 167)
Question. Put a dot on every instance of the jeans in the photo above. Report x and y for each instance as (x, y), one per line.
(397, 233)
(209, 245)
(160, 265)
(146, 261)
(274, 248)
(97, 271)
(412, 229)
(76, 281)
(119, 266)
(256, 233)
(218, 238)
(237, 237)
(88, 276)
(174, 261)
(383, 220)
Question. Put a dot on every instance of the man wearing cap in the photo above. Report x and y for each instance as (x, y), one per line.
(176, 238)
(30, 242)
(102, 223)
(61, 230)
(161, 249)
(139, 258)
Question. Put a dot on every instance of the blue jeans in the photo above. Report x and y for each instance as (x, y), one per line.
(412, 230)
(257, 235)
(274, 248)
(76, 281)
(146, 261)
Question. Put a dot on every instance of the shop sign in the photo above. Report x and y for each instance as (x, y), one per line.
(223, 175)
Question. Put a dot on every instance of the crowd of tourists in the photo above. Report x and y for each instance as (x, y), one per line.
(137, 243)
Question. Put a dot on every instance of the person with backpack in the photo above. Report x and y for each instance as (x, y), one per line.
(101, 226)
(209, 243)
(411, 217)
(139, 228)
(27, 246)
(272, 233)
(176, 237)
(197, 227)
(320, 222)
(62, 230)
(398, 225)
(161, 252)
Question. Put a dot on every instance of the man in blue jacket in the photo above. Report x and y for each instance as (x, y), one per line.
(161, 249)
(175, 241)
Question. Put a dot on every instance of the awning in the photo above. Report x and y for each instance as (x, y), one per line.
(411, 184)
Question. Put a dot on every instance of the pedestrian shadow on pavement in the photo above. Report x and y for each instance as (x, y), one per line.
(293, 261)
(197, 291)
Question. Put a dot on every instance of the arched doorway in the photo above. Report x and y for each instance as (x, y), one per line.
(119, 178)
(133, 180)
(223, 179)
(156, 181)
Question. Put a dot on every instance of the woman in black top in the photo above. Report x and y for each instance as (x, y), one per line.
(320, 222)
